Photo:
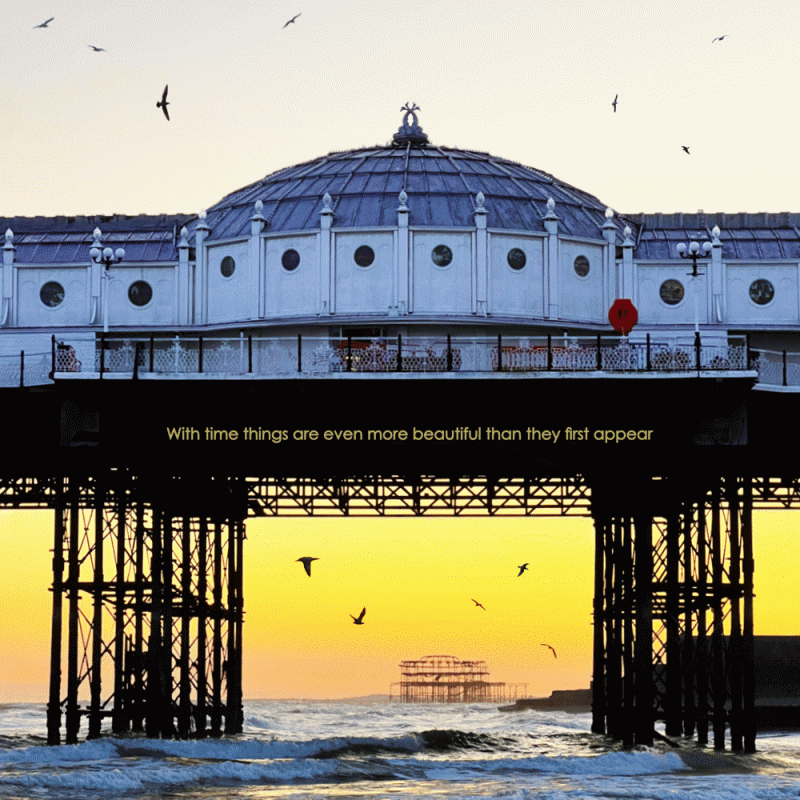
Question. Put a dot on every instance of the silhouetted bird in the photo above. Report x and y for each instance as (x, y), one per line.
(615, 103)
(307, 563)
(359, 620)
(44, 24)
(163, 104)
(97, 49)
(554, 652)
(719, 38)
(522, 568)
(292, 19)
(685, 148)
(477, 603)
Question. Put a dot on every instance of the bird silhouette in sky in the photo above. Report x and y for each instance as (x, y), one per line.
(554, 652)
(359, 620)
(307, 563)
(477, 603)
(292, 19)
(615, 103)
(163, 104)
(719, 38)
(44, 24)
(522, 568)
(97, 49)
(686, 149)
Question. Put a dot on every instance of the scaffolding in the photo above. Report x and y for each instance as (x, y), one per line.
(447, 679)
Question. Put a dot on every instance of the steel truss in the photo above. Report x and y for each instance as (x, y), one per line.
(673, 610)
(153, 596)
(147, 576)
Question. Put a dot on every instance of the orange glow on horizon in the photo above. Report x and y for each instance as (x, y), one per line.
(417, 579)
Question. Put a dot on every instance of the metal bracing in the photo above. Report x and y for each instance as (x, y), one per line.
(673, 604)
(154, 610)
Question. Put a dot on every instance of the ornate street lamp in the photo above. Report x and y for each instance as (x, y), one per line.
(106, 257)
(694, 254)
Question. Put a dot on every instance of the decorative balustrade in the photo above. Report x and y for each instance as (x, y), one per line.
(276, 356)
(246, 356)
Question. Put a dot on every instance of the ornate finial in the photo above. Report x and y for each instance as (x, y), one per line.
(479, 201)
(715, 234)
(259, 206)
(551, 209)
(410, 134)
(9, 245)
(403, 198)
(627, 234)
(202, 225)
(609, 213)
(257, 215)
(327, 201)
(97, 234)
(184, 242)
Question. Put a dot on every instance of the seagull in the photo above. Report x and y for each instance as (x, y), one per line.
(554, 652)
(44, 24)
(359, 620)
(522, 568)
(163, 104)
(686, 149)
(97, 49)
(292, 19)
(615, 103)
(719, 38)
(307, 563)
(477, 603)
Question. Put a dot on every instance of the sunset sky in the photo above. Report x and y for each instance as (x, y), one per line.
(416, 578)
(529, 81)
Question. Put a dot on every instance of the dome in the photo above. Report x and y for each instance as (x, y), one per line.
(442, 184)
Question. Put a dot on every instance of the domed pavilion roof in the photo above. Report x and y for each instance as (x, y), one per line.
(441, 183)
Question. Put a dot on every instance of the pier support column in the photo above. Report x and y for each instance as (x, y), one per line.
(158, 607)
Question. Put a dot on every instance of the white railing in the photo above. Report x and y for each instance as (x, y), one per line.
(276, 356)
(25, 369)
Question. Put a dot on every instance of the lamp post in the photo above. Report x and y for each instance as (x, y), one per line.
(694, 254)
(106, 257)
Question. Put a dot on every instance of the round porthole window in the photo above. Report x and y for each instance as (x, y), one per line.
(227, 267)
(441, 255)
(671, 292)
(290, 260)
(364, 256)
(581, 266)
(140, 293)
(516, 258)
(761, 291)
(52, 294)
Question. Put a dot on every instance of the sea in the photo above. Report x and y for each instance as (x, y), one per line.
(375, 750)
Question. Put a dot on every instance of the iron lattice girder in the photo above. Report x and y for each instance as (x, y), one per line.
(380, 495)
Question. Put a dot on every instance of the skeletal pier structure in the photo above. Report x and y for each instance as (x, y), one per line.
(673, 609)
(148, 592)
(149, 579)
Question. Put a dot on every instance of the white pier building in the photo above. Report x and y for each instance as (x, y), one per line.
(406, 258)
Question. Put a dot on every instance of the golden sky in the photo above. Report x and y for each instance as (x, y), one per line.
(416, 578)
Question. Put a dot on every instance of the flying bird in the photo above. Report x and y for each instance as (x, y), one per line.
(554, 652)
(307, 563)
(163, 104)
(359, 620)
(719, 38)
(477, 603)
(522, 568)
(97, 49)
(615, 103)
(44, 24)
(686, 149)
(292, 19)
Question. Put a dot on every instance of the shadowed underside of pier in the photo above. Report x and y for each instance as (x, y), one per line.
(149, 528)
